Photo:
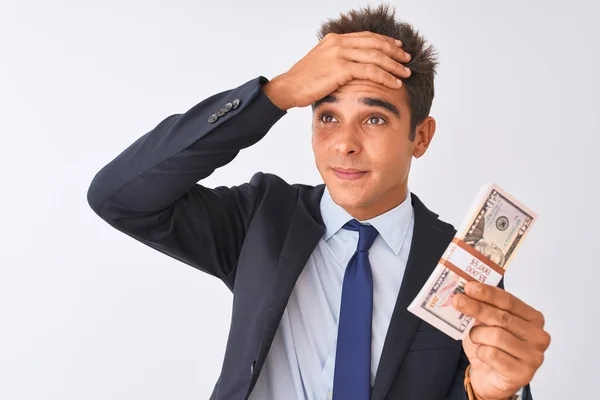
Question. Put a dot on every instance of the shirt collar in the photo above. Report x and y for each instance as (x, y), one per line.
(391, 225)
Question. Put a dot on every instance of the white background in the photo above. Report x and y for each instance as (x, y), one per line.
(88, 313)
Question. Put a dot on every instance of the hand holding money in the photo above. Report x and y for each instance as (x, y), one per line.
(503, 337)
(493, 230)
(507, 344)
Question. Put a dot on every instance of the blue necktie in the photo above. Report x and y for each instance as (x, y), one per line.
(352, 376)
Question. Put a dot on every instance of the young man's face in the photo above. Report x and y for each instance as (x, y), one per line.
(363, 150)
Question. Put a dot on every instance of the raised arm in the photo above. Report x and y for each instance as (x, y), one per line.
(150, 190)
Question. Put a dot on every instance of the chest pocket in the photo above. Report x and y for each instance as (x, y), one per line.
(430, 338)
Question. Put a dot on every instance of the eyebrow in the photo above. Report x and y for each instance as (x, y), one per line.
(369, 101)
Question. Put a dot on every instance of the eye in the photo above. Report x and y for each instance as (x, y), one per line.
(328, 118)
(376, 117)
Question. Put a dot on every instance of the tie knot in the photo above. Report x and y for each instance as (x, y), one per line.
(366, 234)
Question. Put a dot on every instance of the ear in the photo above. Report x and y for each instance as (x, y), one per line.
(423, 136)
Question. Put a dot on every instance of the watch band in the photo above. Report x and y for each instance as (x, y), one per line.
(474, 396)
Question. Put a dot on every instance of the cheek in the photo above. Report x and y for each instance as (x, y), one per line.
(388, 152)
(315, 142)
(319, 144)
(393, 159)
(317, 147)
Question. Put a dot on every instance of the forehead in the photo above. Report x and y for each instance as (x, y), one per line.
(351, 93)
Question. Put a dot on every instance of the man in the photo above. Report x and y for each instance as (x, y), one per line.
(322, 276)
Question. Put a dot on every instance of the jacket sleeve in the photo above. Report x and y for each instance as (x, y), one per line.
(150, 190)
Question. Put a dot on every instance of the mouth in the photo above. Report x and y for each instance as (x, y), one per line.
(349, 174)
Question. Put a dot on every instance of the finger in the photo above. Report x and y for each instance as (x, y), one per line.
(492, 316)
(373, 56)
(507, 342)
(391, 40)
(504, 300)
(373, 73)
(385, 46)
(505, 364)
(335, 37)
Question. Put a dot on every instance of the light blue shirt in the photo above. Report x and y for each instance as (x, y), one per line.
(301, 360)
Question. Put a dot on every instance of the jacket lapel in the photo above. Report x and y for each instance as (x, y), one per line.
(305, 230)
(430, 239)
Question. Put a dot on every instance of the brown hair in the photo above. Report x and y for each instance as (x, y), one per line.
(381, 20)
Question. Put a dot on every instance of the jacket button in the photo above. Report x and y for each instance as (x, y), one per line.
(252, 367)
(213, 118)
(235, 103)
(227, 107)
(220, 112)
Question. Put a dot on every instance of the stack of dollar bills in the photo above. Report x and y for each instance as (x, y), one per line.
(485, 244)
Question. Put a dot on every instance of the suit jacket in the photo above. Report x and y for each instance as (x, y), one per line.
(257, 237)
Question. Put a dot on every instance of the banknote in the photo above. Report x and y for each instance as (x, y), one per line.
(483, 246)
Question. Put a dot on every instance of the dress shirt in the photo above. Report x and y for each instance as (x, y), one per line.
(302, 357)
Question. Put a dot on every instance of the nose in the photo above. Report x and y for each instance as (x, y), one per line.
(347, 141)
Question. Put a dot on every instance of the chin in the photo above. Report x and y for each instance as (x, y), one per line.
(347, 197)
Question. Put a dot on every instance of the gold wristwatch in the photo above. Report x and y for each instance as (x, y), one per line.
(474, 396)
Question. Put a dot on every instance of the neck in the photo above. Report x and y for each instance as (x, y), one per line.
(381, 205)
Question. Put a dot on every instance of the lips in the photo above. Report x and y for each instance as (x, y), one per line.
(349, 174)
(348, 170)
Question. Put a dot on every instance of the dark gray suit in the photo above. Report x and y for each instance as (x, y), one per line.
(257, 237)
